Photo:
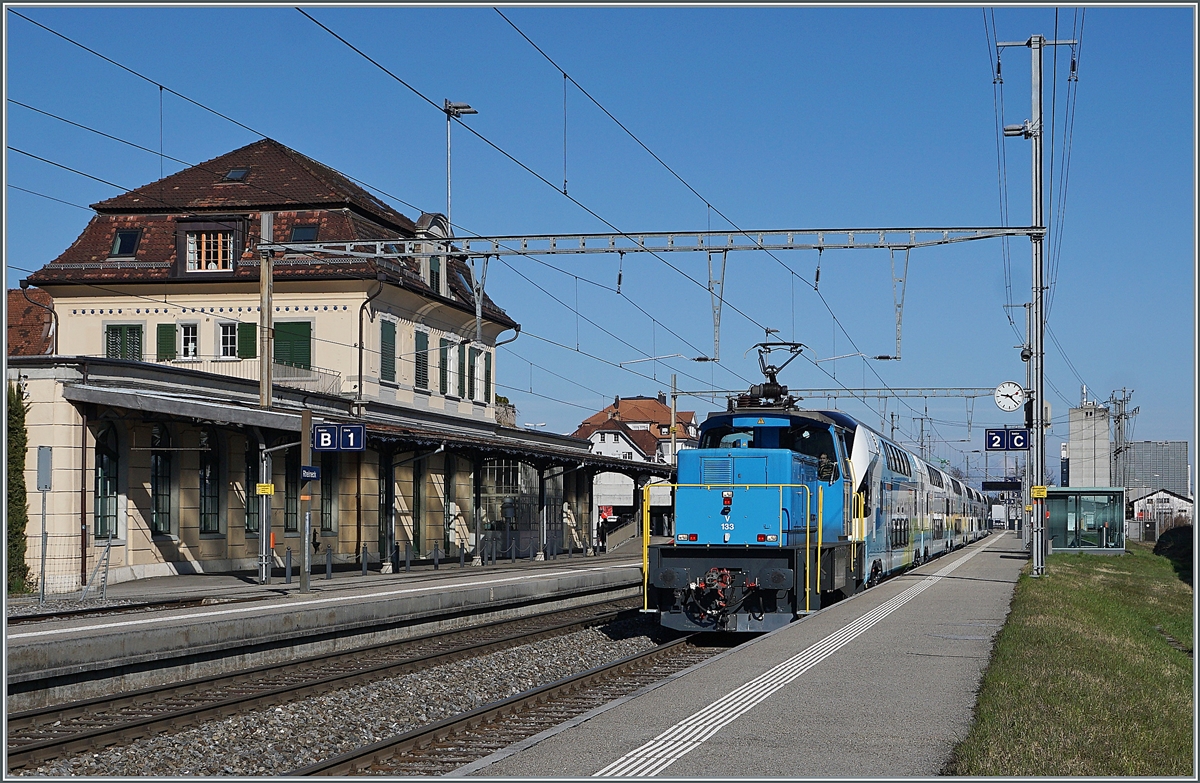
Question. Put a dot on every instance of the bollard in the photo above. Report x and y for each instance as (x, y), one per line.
(513, 552)
(328, 563)
(570, 550)
(462, 557)
(407, 558)
(364, 559)
(287, 566)
(435, 556)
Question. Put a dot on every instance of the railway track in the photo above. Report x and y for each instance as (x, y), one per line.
(447, 745)
(36, 736)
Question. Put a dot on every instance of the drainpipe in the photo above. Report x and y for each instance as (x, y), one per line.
(53, 316)
(83, 430)
(380, 277)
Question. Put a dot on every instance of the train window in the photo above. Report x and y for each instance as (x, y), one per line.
(810, 441)
(905, 464)
(726, 437)
(935, 477)
(958, 489)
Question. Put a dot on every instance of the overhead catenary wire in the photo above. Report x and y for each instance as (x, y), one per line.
(248, 128)
(468, 128)
(698, 195)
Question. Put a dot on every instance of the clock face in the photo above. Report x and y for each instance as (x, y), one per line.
(1009, 396)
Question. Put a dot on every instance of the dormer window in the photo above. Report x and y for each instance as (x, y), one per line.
(209, 251)
(304, 233)
(236, 175)
(125, 243)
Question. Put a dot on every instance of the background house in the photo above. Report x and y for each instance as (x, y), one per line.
(638, 429)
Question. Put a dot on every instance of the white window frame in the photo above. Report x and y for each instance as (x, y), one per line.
(183, 354)
(194, 251)
(220, 339)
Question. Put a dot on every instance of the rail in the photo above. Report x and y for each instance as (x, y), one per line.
(460, 740)
(36, 736)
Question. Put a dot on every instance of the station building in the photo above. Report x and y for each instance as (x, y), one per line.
(139, 351)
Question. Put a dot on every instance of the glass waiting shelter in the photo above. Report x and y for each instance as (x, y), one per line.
(1083, 519)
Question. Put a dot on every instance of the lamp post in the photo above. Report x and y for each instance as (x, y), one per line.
(453, 111)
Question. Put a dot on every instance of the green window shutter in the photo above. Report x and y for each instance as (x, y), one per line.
(123, 342)
(422, 360)
(133, 342)
(293, 344)
(444, 365)
(387, 348)
(166, 342)
(247, 341)
(472, 360)
(487, 378)
(462, 370)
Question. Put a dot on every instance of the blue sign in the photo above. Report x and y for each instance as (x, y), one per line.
(339, 437)
(1007, 440)
(325, 437)
(1018, 440)
(352, 437)
(310, 473)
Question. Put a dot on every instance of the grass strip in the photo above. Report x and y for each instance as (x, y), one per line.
(1084, 678)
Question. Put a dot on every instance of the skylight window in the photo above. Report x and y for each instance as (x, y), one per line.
(125, 242)
(304, 233)
(236, 175)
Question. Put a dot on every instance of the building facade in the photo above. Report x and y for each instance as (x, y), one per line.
(1151, 465)
(1159, 511)
(146, 381)
(1090, 446)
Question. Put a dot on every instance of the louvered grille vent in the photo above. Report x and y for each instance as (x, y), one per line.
(716, 471)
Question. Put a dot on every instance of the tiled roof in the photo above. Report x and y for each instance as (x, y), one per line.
(278, 177)
(296, 188)
(641, 410)
(28, 324)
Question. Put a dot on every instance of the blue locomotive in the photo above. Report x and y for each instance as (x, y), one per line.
(781, 511)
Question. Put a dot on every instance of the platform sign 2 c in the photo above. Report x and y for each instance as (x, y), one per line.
(1007, 440)
(339, 437)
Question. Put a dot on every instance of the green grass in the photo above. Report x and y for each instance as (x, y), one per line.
(1081, 681)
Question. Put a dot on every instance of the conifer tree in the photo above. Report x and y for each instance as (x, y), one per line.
(18, 511)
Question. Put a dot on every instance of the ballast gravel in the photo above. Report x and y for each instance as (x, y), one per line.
(278, 740)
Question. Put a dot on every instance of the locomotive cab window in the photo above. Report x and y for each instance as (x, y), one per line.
(727, 437)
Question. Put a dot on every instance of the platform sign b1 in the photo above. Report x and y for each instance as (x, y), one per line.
(339, 437)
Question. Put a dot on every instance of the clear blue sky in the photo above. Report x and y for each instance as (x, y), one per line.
(779, 117)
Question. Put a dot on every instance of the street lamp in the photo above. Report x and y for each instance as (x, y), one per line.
(534, 426)
(453, 111)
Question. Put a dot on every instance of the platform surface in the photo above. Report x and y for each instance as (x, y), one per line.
(880, 685)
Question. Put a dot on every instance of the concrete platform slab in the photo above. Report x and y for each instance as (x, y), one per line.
(881, 685)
